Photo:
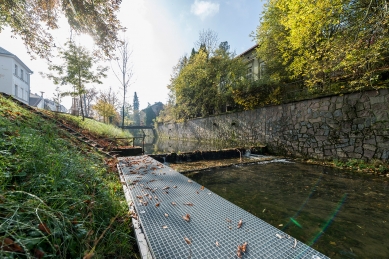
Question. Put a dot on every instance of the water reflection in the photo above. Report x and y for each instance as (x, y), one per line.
(341, 214)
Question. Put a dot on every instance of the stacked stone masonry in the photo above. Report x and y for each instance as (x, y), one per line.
(338, 127)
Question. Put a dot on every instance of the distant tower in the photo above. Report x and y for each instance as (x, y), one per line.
(75, 109)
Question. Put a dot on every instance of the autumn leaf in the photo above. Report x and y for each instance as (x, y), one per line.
(186, 217)
(7, 244)
(240, 223)
(43, 227)
(187, 240)
(244, 247)
(38, 253)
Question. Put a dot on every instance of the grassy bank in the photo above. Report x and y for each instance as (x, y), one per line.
(94, 127)
(58, 198)
(374, 166)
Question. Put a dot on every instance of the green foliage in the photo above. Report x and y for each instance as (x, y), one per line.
(203, 85)
(76, 70)
(136, 109)
(56, 198)
(358, 164)
(136, 102)
(32, 20)
(104, 109)
(325, 41)
(253, 94)
(150, 116)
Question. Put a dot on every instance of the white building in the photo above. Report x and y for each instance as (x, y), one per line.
(255, 66)
(14, 76)
(42, 103)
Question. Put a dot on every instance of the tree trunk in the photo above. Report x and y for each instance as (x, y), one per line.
(124, 89)
(86, 106)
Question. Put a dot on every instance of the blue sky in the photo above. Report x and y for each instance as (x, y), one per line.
(159, 32)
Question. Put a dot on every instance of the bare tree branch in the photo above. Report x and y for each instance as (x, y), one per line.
(209, 39)
(123, 63)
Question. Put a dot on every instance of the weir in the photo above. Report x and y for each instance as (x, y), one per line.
(178, 218)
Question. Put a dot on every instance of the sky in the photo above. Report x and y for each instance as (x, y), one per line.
(159, 33)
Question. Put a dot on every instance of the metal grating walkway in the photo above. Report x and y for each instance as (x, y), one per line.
(212, 218)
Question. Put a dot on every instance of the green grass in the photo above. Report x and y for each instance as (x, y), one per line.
(99, 128)
(374, 165)
(57, 199)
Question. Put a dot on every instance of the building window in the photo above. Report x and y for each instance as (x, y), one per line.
(16, 70)
(16, 90)
(27, 95)
(21, 90)
(262, 70)
(28, 78)
(249, 74)
(21, 74)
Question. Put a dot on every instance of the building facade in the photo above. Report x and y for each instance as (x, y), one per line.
(255, 67)
(14, 76)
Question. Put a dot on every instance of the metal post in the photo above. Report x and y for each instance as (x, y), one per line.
(143, 145)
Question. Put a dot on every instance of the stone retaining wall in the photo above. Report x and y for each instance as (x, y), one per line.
(338, 127)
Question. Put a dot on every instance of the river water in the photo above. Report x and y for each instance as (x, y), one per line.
(339, 213)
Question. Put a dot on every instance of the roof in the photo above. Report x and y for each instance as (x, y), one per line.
(34, 99)
(48, 104)
(4, 52)
(250, 49)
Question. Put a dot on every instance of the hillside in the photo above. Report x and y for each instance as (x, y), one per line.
(59, 197)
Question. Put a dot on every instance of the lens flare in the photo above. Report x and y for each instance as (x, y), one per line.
(328, 223)
(296, 223)
(292, 219)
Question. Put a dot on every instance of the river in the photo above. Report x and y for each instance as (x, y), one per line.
(340, 213)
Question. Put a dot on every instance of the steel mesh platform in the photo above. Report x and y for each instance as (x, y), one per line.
(212, 218)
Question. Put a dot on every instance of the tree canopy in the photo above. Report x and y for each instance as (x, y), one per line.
(135, 106)
(32, 20)
(325, 41)
(76, 70)
(202, 84)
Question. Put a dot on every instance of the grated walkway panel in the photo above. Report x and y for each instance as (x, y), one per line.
(212, 218)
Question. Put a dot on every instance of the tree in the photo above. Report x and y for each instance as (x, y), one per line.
(150, 115)
(125, 69)
(110, 97)
(204, 85)
(76, 70)
(325, 42)
(207, 39)
(107, 105)
(136, 109)
(32, 20)
(105, 109)
(128, 114)
(89, 96)
(57, 98)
